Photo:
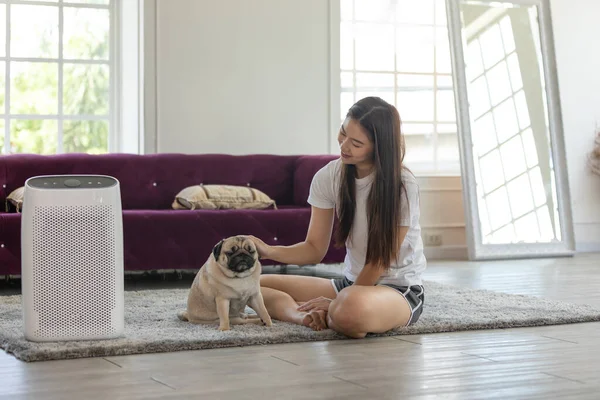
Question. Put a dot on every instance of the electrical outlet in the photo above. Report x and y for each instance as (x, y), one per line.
(432, 239)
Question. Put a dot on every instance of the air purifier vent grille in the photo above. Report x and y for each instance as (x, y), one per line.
(74, 257)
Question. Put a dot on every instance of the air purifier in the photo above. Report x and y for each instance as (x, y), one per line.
(72, 258)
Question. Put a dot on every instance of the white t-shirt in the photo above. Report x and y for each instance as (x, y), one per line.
(411, 262)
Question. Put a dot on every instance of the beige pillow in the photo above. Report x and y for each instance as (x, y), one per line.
(214, 197)
(16, 198)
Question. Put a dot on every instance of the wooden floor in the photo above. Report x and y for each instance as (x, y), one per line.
(525, 363)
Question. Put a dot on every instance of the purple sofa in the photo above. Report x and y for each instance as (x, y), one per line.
(155, 235)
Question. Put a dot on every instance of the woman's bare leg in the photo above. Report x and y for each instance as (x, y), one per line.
(354, 312)
(359, 310)
(283, 293)
(281, 306)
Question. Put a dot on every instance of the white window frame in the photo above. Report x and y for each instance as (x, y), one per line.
(148, 81)
(132, 63)
(434, 168)
(125, 61)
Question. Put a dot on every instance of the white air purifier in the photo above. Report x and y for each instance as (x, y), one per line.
(72, 258)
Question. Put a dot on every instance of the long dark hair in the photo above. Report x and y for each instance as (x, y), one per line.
(381, 121)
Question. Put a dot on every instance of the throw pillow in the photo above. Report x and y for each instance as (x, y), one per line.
(16, 199)
(214, 197)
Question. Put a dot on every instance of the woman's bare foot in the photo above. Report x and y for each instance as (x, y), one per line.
(316, 320)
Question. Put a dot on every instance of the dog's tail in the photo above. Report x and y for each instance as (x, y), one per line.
(183, 315)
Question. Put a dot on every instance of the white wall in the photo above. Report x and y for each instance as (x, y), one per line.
(259, 70)
(576, 28)
(237, 69)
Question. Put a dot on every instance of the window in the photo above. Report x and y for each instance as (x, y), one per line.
(399, 50)
(57, 76)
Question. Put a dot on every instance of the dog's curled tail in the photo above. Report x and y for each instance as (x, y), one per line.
(183, 315)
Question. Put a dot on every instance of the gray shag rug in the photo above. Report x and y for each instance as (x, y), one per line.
(152, 325)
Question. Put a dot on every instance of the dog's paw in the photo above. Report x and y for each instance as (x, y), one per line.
(268, 322)
(183, 315)
(224, 327)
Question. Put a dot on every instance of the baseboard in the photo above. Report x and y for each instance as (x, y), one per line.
(587, 247)
(583, 233)
(462, 253)
(587, 235)
(456, 252)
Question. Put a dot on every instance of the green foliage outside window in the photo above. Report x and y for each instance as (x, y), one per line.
(34, 85)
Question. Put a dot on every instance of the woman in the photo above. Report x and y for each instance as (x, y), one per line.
(377, 203)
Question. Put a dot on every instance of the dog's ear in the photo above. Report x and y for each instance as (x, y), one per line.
(217, 250)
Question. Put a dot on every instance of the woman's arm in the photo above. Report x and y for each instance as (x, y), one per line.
(311, 250)
(370, 273)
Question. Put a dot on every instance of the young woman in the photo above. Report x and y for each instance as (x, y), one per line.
(377, 204)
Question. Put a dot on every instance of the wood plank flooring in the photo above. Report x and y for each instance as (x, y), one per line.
(555, 362)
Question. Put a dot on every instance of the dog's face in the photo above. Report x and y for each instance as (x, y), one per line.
(236, 255)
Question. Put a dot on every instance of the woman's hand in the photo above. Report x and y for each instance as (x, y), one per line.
(264, 250)
(316, 313)
(319, 303)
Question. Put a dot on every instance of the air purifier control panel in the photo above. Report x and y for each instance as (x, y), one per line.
(72, 182)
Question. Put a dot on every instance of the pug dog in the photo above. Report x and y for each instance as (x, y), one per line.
(227, 282)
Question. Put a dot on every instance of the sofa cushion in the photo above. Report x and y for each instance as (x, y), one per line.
(182, 239)
(151, 181)
(10, 244)
(214, 197)
(15, 198)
